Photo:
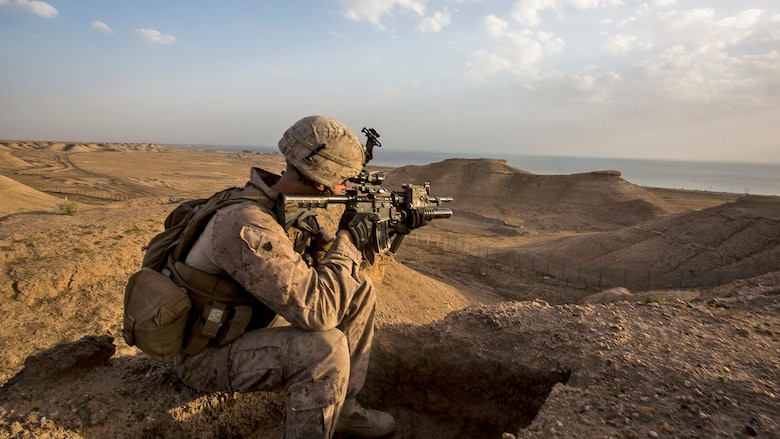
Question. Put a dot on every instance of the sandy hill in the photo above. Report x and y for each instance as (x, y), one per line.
(77, 148)
(490, 189)
(66, 147)
(8, 161)
(731, 241)
(11, 145)
(17, 197)
(144, 147)
(71, 147)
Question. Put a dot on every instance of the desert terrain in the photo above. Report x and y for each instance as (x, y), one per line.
(548, 306)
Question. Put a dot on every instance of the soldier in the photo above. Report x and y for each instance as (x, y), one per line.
(319, 352)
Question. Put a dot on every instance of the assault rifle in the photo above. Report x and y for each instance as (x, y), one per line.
(387, 209)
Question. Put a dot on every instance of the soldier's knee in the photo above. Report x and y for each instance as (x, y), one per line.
(329, 349)
(337, 341)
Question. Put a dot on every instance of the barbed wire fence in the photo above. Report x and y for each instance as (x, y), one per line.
(91, 193)
(559, 272)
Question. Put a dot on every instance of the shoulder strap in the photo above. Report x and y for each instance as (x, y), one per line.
(201, 216)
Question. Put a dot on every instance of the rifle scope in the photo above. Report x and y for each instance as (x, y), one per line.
(373, 178)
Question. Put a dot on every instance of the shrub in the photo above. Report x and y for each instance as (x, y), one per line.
(68, 207)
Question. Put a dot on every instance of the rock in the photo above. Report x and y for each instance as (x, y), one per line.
(611, 295)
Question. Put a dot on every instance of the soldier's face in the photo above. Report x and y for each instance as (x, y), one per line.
(340, 188)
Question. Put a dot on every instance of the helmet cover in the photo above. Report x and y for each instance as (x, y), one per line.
(323, 150)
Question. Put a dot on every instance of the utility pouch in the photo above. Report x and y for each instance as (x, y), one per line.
(205, 327)
(221, 310)
(162, 306)
(217, 325)
(156, 314)
(237, 325)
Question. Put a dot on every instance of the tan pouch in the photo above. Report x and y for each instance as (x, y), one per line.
(155, 315)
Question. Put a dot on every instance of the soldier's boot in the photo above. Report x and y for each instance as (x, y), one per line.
(358, 421)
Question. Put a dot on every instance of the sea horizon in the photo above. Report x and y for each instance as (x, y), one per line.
(711, 176)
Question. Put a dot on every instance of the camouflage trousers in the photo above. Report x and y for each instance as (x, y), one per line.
(316, 369)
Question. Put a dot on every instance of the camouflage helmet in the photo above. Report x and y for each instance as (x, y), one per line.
(323, 150)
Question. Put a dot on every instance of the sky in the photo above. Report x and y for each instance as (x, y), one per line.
(662, 79)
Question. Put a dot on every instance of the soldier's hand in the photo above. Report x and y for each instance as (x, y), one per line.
(359, 226)
(322, 244)
(414, 219)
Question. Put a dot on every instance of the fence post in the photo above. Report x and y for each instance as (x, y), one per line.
(520, 264)
(563, 273)
(599, 279)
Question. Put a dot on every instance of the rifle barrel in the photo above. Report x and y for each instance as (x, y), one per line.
(437, 213)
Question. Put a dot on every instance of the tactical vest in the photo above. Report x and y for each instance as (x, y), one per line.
(171, 307)
(222, 309)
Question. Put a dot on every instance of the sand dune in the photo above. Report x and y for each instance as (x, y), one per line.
(8, 161)
(708, 247)
(17, 198)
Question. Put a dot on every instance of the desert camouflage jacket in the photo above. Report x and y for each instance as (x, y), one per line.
(246, 242)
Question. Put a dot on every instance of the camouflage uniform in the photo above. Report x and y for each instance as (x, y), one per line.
(320, 359)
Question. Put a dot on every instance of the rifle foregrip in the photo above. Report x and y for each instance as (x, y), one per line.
(397, 240)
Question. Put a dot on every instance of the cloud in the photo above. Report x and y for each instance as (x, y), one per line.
(620, 43)
(29, 6)
(526, 12)
(696, 62)
(436, 23)
(773, 32)
(495, 26)
(593, 4)
(692, 61)
(102, 27)
(152, 36)
(373, 10)
(684, 76)
(712, 76)
(698, 26)
(338, 35)
(586, 86)
(518, 53)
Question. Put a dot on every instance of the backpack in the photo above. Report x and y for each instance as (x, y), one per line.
(171, 307)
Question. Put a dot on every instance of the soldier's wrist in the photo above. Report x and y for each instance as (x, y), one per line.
(346, 234)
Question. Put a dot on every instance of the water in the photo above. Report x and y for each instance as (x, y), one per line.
(740, 178)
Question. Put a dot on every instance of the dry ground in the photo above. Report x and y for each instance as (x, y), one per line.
(467, 346)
